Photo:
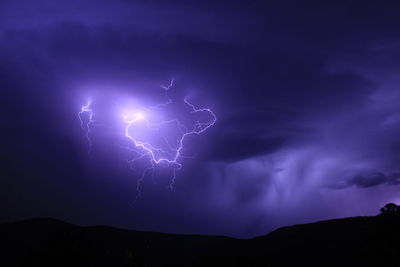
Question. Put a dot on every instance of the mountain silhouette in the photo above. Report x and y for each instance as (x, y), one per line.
(357, 241)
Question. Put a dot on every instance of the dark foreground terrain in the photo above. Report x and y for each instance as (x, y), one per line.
(359, 241)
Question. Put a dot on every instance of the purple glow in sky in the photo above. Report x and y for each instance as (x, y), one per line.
(306, 94)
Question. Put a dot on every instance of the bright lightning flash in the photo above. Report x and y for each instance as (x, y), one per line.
(167, 152)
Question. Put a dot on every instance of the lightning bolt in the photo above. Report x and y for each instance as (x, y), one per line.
(88, 125)
(155, 155)
(146, 150)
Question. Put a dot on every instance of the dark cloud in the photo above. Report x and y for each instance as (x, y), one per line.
(242, 147)
(364, 178)
(368, 179)
(260, 89)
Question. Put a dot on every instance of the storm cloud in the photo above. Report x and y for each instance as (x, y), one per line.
(306, 96)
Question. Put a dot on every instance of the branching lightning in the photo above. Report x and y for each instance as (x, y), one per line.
(155, 155)
(147, 150)
(86, 109)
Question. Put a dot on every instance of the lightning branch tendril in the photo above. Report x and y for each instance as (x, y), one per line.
(167, 87)
(86, 109)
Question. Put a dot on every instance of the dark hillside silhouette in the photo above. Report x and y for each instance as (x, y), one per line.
(358, 241)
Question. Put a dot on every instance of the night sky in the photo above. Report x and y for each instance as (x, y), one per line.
(306, 95)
